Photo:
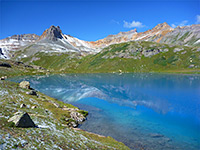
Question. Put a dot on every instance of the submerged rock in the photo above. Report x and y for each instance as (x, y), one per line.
(24, 84)
(156, 135)
(22, 120)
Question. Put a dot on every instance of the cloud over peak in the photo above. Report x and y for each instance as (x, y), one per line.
(182, 23)
(133, 24)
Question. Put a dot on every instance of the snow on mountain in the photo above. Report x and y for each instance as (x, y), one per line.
(80, 44)
(53, 40)
(11, 44)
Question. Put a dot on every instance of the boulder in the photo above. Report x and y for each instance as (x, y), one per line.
(3, 78)
(32, 92)
(22, 120)
(24, 84)
(77, 116)
(33, 107)
(3, 64)
(22, 105)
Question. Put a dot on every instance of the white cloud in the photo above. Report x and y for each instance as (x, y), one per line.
(133, 24)
(198, 18)
(182, 23)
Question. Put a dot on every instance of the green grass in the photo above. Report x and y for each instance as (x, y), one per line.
(48, 114)
(109, 61)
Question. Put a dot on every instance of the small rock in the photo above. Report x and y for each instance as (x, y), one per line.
(32, 92)
(33, 107)
(3, 77)
(24, 84)
(178, 49)
(22, 105)
(73, 124)
(191, 66)
(22, 120)
(56, 104)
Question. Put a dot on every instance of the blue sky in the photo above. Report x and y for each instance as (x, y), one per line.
(93, 20)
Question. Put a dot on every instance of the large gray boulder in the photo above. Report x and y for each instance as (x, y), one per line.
(24, 84)
(22, 120)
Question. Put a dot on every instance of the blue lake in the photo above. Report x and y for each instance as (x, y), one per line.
(144, 111)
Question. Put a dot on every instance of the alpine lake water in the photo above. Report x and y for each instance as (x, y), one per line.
(142, 110)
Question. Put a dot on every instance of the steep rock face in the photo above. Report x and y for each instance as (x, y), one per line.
(53, 33)
(52, 40)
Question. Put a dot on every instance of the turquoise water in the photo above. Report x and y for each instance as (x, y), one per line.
(144, 111)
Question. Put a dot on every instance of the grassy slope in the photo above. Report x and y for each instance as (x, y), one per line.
(56, 134)
(170, 61)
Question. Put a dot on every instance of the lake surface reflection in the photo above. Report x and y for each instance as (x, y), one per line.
(149, 111)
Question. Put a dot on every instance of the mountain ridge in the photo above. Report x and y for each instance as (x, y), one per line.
(53, 40)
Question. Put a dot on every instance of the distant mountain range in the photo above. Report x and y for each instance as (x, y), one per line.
(53, 40)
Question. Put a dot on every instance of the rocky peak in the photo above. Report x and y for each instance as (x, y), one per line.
(161, 26)
(53, 33)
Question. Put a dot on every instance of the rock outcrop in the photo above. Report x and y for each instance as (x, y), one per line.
(77, 116)
(22, 120)
(53, 33)
(24, 84)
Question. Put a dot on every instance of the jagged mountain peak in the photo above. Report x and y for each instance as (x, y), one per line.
(162, 26)
(52, 33)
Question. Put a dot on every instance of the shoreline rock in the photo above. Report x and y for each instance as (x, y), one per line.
(24, 84)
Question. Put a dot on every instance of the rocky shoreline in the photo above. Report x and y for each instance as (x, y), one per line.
(32, 120)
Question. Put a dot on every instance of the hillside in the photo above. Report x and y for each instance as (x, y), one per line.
(140, 56)
(54, 40)
(53, 118)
